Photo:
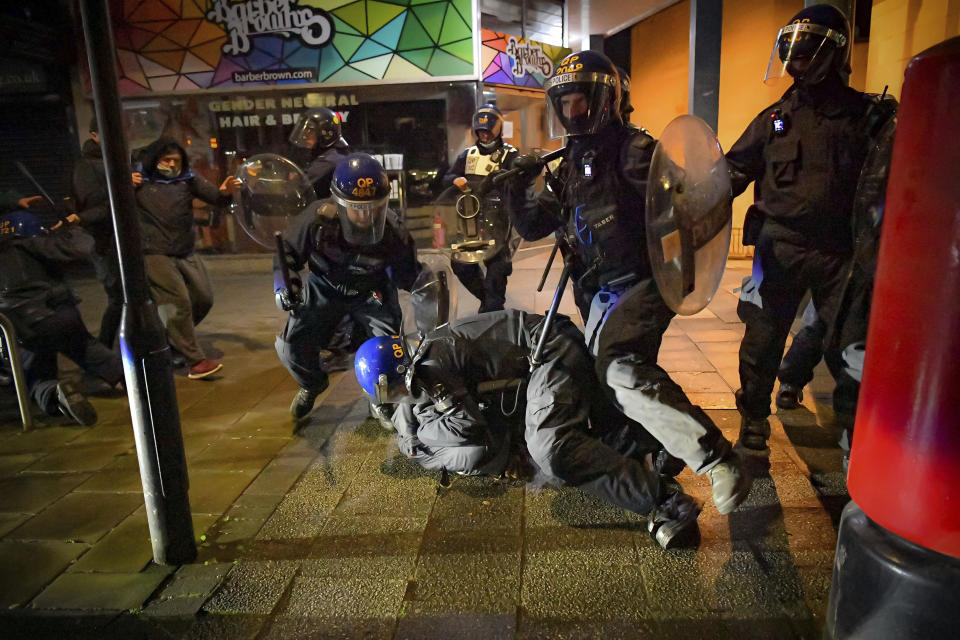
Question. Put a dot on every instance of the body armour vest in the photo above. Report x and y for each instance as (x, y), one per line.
(478, 166)
(606, 222)
(350, 269)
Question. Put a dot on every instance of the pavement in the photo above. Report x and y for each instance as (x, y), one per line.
(322, 530)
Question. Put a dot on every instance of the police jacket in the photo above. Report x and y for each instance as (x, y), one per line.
(31, 281)
(315, 239)
(599, 204)
(320, 170)
(90, 195)
(461, 371)
(165, 204)
(805, 153)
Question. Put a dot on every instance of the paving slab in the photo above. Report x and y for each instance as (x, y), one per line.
(253, 587)
(213, 491)
(11, 464)
(101, 591)
(472, 621)
(31, 493)
(77, 457)
(84, 517)
(26, 567)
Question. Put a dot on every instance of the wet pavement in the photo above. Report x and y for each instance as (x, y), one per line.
(322, 530)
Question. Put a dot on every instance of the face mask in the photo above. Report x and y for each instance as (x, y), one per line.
(167, 171)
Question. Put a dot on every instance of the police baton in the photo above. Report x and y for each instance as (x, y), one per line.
(541, 163)
(33, 181)
(535, 358)
(290, 284)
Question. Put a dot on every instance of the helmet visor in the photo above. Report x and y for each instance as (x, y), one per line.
(803, 50)
(362, 221)
(580, 103)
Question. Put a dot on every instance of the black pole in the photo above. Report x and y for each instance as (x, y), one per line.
(143, 342)
(706, 21)
(535, 358)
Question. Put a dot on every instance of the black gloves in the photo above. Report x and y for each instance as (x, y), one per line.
(529, 165)
(288, 300)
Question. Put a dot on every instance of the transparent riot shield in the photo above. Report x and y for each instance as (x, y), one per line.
(482, 228)
(688, 214)
(274, 192)
(432, 300)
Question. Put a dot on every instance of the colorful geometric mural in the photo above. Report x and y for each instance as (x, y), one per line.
(177, 45)
(500, 53)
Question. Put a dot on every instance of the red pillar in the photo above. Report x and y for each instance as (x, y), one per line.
(905, 462)
(897, 568)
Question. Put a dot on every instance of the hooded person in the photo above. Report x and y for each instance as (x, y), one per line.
(473, 172)
(93, 214)
(178, 279)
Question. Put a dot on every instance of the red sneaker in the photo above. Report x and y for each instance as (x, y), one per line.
(203, 369)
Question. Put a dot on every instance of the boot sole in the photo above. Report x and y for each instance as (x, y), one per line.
(747, 451)
(678, 535)
(198, 376)
(80, 410)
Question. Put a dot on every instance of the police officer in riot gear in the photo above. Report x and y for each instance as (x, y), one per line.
(358, 253)
(43, 310)
(319, 130)
(600, 205)
(474, 170)
(805, 153)
(469, 378)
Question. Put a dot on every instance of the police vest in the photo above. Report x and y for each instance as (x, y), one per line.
(478, 166)
(606, 220)
(352, 270)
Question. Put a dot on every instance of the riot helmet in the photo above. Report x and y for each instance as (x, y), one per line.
(625, 107)
(583, 94)
(381, 366)
(489, 119)
(21, 224)
(815, 43)
(317, 129)
(360, 188)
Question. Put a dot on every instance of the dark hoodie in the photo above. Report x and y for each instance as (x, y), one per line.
(165, 204)
(90, 194)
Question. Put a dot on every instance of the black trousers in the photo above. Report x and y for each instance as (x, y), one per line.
(64, 332)
(789, 271)
(491, 290)
(310, 329)
(108, 273)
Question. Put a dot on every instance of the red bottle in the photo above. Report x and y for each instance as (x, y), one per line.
(439, 233)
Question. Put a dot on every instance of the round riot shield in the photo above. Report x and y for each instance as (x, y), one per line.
(274, 191)
(688, 214)
(432, 300)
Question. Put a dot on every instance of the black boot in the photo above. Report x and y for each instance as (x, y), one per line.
(789, 396)
(753, 437)
(75, 405)
(673, 524)
(303, 403)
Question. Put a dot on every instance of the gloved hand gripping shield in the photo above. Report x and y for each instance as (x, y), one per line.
(274, 192)
(689, 215)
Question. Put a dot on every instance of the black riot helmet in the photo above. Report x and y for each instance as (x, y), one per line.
(317, 129)
(583, 94)
(361, 189)
(625, 107)
(488, 118)
(815, 43)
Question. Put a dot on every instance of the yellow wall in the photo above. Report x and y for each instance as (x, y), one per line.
(659, 61)
(749, 31)
(899, 29)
